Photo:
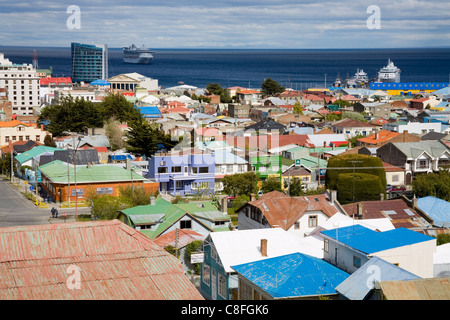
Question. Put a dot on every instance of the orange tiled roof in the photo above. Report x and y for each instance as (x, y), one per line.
(12, 123)
(383, 136)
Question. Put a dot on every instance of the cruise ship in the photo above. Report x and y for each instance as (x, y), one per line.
(360, 79)
(389, 73)
(133, 54)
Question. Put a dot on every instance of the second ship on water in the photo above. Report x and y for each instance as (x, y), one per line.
(133, 54)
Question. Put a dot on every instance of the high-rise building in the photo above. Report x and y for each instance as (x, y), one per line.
(22, 86)
(89, 62)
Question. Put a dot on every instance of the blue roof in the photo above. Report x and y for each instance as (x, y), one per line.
(370, 241)
(360, 283)
(100, 82)
(150, 111)
(437, 209)
(293, 275)
(120, 156)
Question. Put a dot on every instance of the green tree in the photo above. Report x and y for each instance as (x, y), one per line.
(443, 239)
(216, 89)
(71, 115)
(240, 184)
(298, 108)
(270, 87)
(115, 134)
(294, 188)
(117, 107)
(353, 187)
(144, 138)
(271, 184)
(432, 184)
(49, 142)
(354, 139)
(239, 202)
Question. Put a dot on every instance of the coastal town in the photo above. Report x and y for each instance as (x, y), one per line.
(333, 192)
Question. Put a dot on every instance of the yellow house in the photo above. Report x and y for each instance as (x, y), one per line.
(295, 172)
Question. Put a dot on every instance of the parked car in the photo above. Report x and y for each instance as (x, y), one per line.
(395, 188)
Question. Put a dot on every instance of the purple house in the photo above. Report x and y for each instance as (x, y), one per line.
(183, 172)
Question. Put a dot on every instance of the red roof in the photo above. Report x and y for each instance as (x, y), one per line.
(114, 261)
(248, 91)
(47, 81)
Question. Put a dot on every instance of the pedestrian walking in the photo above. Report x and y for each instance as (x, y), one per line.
(53, 212)
(56, 213)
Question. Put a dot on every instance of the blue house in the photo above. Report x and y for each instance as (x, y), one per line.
(292, 276)
(183, 172)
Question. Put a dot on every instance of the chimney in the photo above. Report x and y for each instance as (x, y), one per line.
(224, 205)
(264, 247)
(405, 132)
(359, 210)
(252, 197)
(333, 196)
(152, 201)
(414, 202)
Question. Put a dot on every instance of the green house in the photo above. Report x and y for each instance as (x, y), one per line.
(161, 216)
(266, 165)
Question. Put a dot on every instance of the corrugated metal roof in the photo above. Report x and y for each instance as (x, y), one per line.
(115, 262)
(421, 289)
(359, 284)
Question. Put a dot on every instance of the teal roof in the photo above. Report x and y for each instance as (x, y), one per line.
(36, 151)
(313, 162)
(293, 275)
(57, 172)
(437, 209)
(167, 214)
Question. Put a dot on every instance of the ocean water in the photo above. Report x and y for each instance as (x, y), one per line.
(297, 69)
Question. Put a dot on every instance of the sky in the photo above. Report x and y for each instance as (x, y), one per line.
(252, 24)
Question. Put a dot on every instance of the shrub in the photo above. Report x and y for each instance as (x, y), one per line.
(358, 187)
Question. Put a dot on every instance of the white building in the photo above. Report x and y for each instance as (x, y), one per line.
(22, 85)
(413, 127)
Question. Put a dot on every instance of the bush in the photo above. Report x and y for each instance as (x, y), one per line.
(352, 187)
(342, 164)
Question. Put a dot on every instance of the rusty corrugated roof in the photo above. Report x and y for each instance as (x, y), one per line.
(418, 289)
(115, 262)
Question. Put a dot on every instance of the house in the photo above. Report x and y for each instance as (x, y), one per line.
(296, 173)
(265, 165)
(227, 163)
(26, 158)
(413, 127)
(441, 260)
(16, 130)
(238, 110)
(299, 215)
(222, 250)
(88, 261)
(268, 126)
(160, 217)
(362, 284)
(248, 96)
(415, 157)
(62, 181)
(352, 127)
(207, 134)
(130, 81)
(395, 176)
(351, 247)
(184, 172)
(288, 277)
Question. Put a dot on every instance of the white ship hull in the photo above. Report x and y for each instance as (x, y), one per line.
(136, 55)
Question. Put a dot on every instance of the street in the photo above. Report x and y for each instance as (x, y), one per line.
(16, 210)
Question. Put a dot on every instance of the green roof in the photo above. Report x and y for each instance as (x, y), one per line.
(30, 154)
(311, 162)
(57, 172)
(169, 213)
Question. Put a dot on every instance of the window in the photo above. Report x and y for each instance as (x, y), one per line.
(176, 169)
(297, 225)
(185, 224)
(222, 286)
(203, 169)
(395, 178)
(6, 138)
(312, 221)
(162, 170)
(325, 245)
(38, 138)
(356, 262)
(206, 272)
(105, 190)
(80, 192)
(143, 227)
(179, 184)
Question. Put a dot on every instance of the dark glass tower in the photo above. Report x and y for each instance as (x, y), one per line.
(89, 62)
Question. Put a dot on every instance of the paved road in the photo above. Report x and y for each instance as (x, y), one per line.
(16, 210)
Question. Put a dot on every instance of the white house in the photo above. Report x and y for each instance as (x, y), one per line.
(350, 247)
